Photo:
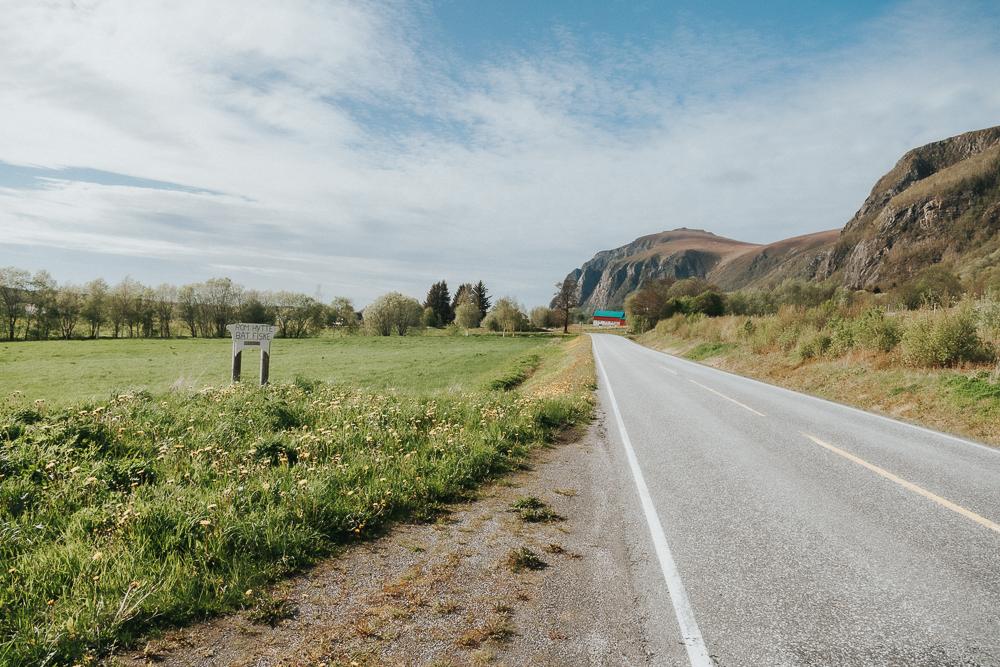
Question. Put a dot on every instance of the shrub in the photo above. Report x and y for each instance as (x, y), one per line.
(934, 287)
(392, 312)
(813, 345)
(842, 336)
(709, 303)
(943, 338)
(874, 331)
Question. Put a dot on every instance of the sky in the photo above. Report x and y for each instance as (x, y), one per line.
(354, 148)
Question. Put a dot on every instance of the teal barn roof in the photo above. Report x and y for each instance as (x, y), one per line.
(620, 314)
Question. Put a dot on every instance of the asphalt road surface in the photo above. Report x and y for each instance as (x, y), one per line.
(787, 530)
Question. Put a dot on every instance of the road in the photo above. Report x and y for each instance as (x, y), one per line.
(787, 530)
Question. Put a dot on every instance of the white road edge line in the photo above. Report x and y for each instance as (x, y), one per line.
(693, 641)
(943, 502)
(717, 393)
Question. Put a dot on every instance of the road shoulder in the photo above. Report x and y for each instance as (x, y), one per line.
(444, 593)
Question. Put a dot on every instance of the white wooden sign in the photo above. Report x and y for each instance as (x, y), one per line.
(252, 335)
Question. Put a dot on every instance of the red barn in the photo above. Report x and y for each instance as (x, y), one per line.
(609, 318)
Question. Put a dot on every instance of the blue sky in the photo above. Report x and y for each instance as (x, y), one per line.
(352, 148)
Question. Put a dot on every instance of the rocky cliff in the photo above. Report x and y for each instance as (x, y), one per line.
(610, 275)
(940, 203)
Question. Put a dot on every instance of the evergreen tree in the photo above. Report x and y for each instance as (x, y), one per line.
(439, 301)
(481, 297)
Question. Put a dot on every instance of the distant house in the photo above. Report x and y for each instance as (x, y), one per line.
(609, 318)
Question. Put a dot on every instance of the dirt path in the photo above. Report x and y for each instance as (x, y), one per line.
(445, 594)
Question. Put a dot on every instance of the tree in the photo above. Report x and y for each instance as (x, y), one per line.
(297, 314)
(69, 305)
(710, 303)
(44, 292)
(508, 316)
(121, 306)
(13, 297)
(481, 297)
(187, 305)
(255, 310)
(439, 301)
(467, 315)
(689, 287)
(565, 300)
(341, 314)
(541, 317)
(392, 312)
(464, 294)
(220, 299)
(164, 300)
(95, 306)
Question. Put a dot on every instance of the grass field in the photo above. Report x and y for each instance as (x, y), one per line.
(63, 372)
(125, 514)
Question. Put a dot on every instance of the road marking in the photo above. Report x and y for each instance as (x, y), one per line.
(944, 502)
(669, 370)
(742, 405)
(693, 641)
(843, 406)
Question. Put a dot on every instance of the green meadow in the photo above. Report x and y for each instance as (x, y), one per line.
(63, 372)
(170, 502)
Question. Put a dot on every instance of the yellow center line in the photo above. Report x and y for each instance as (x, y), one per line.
(944, 502)
(742, 405)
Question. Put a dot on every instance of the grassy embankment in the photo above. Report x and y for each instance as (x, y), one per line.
(118, 516)
(934, 368)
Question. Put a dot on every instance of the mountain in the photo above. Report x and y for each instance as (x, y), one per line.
(939, 204)
(610, 275)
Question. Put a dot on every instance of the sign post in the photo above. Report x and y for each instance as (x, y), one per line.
(252, 335)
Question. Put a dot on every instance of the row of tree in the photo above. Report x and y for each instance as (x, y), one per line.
(37, 307)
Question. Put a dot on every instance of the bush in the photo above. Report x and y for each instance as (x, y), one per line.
(813, 345)
(708, 303)
(392, 312)
(943, 338)
(934, 287)
(874, 331)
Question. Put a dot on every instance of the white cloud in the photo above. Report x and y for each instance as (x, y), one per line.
(352, 152)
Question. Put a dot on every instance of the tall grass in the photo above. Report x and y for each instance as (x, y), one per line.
(119, 516)
(966, 333)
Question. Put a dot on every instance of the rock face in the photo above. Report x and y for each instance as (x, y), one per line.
(610, 275)
(940, 203)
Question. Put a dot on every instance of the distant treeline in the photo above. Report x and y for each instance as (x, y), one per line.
(36, 307)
